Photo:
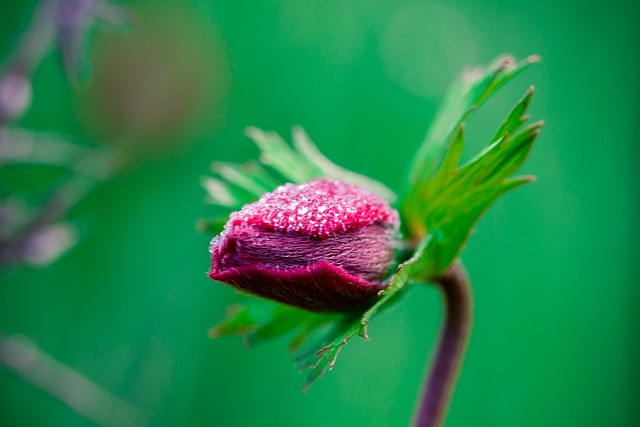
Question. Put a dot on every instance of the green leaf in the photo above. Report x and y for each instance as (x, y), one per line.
(258, 320)
(282, 158)
(248, 177)
(516, 117)
(220, 193)
(234, 185)
(310, 152)
(463, 98)
(448, 205)
(501, 159)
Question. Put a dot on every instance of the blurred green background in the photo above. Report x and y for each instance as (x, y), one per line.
(554, 266)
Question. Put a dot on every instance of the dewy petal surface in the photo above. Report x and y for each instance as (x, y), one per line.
(323, 245)
(319, 208)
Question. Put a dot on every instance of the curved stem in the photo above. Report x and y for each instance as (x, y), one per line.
(451, 348)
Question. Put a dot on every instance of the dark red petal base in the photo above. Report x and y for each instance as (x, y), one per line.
(317, 287)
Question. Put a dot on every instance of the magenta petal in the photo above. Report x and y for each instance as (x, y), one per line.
(318, 287)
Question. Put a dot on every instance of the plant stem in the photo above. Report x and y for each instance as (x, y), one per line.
(451, 348)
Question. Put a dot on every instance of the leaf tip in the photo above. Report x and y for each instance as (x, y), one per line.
(214, 332)
(201, 225)
(536, 126)
(526, 179)
(506, 61)
(534, 59)
(253, 132)
(364, 332)
(320, 352)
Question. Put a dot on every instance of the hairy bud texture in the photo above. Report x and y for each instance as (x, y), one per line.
(323, 245)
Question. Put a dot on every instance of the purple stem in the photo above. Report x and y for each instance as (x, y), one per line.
(450, 353)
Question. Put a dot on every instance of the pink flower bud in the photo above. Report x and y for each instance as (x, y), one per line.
(323, 245)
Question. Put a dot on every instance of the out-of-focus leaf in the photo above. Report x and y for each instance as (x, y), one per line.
(307, 149)
(24, 358)
(33, 231)
(27, 147)
(234, 185)
(219, 193)
(240, 180)
(274, 152)
(250, 177)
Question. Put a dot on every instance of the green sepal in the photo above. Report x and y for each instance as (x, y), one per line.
(233, 185)
(257, 320)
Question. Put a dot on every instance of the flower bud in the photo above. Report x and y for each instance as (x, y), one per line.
(323, 245)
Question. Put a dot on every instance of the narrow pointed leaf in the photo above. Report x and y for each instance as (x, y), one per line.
(516, 117)
(241, 177)
(310, 152)
(282, 158)
(219, 193)
(464, 97)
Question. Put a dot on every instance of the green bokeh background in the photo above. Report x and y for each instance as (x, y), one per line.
(554, 266)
